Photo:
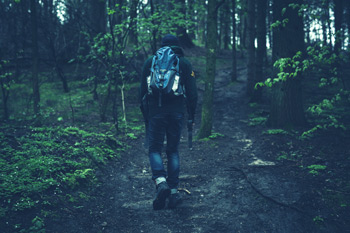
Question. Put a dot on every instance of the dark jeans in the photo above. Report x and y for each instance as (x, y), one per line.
(171, 125)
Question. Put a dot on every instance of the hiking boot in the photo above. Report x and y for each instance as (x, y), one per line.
(174, 200)
(163, 192)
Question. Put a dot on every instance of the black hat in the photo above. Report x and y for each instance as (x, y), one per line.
(170, 40)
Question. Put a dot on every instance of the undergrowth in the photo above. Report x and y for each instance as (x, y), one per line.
(42, 167)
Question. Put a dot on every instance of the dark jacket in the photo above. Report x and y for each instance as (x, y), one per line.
(176, 104)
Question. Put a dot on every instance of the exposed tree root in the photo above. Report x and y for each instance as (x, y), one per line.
(263, 195)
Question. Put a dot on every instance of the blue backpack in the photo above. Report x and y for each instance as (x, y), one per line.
(164, 80)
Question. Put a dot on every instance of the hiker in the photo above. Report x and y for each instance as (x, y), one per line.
(164, 110)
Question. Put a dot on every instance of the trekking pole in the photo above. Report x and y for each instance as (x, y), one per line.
(190, 129)
(189, 124)
(146, 142)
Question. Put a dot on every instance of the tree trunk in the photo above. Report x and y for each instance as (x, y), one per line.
(234, 52)
(324, 20)
(35, 59)
(244, 23)
(338, 20)
(329, 23)
(154, 31)
(251, 48)
(226, 27)
(348, 23)
(207, 109)
(181, 32)
(286, 103)
(269, 31)
(192, 14)
(133, 39)
(5, 95)
(98, 17)
(261, 50)
(105, 103)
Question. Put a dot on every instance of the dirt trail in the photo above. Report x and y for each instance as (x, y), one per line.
(234, 188)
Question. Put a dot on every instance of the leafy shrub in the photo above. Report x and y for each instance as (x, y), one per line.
(37, 167)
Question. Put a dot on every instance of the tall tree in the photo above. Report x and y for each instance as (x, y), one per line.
(154, 30)
(243, 25)
(51, 28)
(234, 52)
(133, 38)
(261, 50)
(251, 47)
(226, 25)
(338, 20)
(324, 20)
(207, 108)
(339, 38)
(35, 59)
(288, 38)
(348, 22)
(181, 31)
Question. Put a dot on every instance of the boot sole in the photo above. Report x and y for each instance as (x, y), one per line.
(159, 202)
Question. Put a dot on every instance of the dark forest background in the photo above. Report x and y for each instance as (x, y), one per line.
(69, 72)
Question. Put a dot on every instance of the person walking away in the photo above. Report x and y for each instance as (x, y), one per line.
(167, 85)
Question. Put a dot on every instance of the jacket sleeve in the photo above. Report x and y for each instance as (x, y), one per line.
(191, 90)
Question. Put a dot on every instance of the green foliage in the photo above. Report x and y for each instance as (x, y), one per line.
(212, 136)
(166, 19)
(318, 220)
(331, 112)
(275, 131)
(291, 156)
(257, 121)
(6, 81)
(315, 168)
(38, 225)
(288, 68)
(131, 135)
(46, 161)
(216, 135)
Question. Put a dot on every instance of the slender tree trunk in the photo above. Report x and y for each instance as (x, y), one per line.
(105, 103)
(58, 68)
(207, 109)
(35, 59)
(234, 52)
(261, 50)
(181, 31)
(201, 28)
(307, 30)
(269, 31)
(133, 38)
(192, 14)
(226, 28)
(324, 23)
(98, 16)
(244, 22)
(154, 31)
(220, 25)
(286, 103)
(348, 22)
(251, 48)
(5, 95)
(338, 20)
(330, 34)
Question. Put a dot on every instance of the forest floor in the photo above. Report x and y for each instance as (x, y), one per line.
(240, 180)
